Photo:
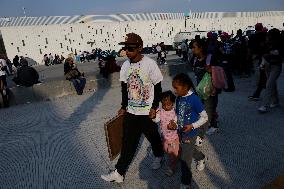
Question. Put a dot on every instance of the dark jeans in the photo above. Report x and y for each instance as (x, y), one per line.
(211, 108)
(184, 56)
(133, 127)
(261, 83)
(189, 151)
(5, 97)
(79, 84)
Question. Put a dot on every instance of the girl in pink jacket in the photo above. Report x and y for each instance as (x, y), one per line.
(167, 116)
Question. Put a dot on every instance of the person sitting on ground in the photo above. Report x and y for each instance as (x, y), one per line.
(26, 75)
(16, 61)
(72, 74)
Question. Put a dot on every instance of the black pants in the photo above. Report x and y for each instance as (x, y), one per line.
(5, 99)
(261, 83)
(228, 71)
(133, 127)
(184, 56)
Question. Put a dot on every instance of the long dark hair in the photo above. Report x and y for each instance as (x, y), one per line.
(201, 43)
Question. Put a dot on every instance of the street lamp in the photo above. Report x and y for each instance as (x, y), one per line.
(24, 9)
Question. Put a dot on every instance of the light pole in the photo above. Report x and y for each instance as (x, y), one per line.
(24, 9)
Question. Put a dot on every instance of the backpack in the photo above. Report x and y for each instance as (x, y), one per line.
(218, 77)
(218, 74)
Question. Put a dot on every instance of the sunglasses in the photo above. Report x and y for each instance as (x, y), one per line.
(129, 49)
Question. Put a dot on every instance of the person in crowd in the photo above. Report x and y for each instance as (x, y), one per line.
(140, 79)
(165, 115)
(9, 65)
(4, 65)
(257, 46)
(190, 55)
(159, 50)
(3, 87)
(72, 74)
(190, 116)
(241, 65)
(184, 49)
(16, 61)
(226, 49)
(272, 62)
(50, 58)
(26, 75)
(201, 65)
(46, 60)
(62, 59)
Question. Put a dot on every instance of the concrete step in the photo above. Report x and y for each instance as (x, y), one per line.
(59, 88)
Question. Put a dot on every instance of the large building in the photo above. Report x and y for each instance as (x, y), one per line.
(35, 36)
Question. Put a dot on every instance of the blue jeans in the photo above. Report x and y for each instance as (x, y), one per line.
(79, 84)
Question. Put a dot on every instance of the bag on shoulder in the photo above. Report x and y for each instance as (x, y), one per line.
(72, 74)
(205, 87)
(218, 77)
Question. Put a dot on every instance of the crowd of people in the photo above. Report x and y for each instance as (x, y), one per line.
(190, 112)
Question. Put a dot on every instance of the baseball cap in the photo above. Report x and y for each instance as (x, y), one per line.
(132, 39)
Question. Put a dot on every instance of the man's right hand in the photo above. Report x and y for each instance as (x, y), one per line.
(121, 112)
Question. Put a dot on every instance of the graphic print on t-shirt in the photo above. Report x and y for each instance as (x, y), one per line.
(138, 92)
(184, 113)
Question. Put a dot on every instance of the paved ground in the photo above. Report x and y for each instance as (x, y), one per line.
(61, 144)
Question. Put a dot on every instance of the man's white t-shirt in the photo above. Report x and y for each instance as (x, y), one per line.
(140, 78)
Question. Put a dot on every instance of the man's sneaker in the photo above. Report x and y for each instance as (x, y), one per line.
(156, 164)
(182, 186)
(200, 165)
(113, 176)
(165, 63)
(254, 98)
(199, 141)
(212, 130)
(273, 105)
(262, 109)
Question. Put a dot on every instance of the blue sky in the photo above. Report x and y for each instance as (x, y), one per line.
(81, 7)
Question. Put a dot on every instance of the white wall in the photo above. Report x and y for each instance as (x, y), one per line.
(107, 35)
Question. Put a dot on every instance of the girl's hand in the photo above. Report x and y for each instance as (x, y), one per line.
(172, 125)
(187, 128)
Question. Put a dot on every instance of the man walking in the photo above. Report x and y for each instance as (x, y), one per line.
(141, 89)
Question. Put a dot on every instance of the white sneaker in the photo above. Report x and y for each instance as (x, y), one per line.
(113, 176)
(199, 141)
(274, 105)
(200, 165)
(262, 109)
(165, 63)
(156, 164)
(182, 186)
(212, 130)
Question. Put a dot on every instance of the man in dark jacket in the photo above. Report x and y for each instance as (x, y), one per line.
(26, 75)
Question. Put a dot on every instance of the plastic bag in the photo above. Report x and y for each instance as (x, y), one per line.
(205, 87)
